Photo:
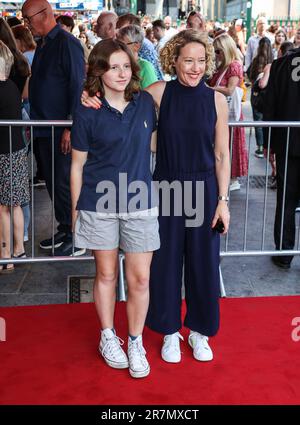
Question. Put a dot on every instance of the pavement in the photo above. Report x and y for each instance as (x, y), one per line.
(47, 283)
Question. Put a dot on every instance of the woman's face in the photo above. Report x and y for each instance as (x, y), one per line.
(119, 75)
(219, 56)
(280, 38)
(190, 64)
(83, 38)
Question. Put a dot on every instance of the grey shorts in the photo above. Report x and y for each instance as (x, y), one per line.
(132, 232)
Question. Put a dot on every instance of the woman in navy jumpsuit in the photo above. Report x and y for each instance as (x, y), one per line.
(192, 146)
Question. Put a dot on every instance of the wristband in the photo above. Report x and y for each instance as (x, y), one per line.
(223, 198)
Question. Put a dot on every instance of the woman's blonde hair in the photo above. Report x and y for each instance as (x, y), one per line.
(171, 51)
(6, 60)
(230, 52)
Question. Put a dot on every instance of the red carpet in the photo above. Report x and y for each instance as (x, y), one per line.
(50, 357)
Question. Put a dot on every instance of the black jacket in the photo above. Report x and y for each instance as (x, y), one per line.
(282, 101)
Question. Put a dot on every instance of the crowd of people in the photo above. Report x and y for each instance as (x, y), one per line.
(133, 86)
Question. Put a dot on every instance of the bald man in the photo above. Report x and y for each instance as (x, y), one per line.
(58, 72)
(170, 31)
(106, 25)
(196, 21)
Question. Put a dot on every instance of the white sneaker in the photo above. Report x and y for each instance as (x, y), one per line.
(170, 351)
(138, 364)
(235, 185)
(111, 350)
(201, 349)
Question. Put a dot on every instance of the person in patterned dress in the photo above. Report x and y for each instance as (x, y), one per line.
(229, 75)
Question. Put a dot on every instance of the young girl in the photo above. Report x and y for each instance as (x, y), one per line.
(108, 145)
(188, 150)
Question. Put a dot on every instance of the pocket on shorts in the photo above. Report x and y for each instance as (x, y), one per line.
(139, 234)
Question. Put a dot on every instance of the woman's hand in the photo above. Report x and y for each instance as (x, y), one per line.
(222, 214)
(90, 102)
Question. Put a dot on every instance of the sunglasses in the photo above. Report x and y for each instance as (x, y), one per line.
(218, 51)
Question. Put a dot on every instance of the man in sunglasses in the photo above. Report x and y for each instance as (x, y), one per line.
(58, 72)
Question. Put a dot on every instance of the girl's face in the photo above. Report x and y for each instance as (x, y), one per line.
(83, 38)
(119, 75)
(280, 38)
(191, 64)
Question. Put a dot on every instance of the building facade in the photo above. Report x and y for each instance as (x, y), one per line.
(272, 9)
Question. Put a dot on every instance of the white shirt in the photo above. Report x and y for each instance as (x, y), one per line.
(171, 31)
(163, 41)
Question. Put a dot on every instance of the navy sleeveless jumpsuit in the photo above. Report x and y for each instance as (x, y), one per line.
(185, 152)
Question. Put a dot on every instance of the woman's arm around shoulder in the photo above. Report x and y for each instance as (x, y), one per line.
(156, 90)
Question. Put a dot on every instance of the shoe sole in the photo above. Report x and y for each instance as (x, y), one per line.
(170, 361)
(78, 253)
(234, 188)
(50, 246)
(200, 360)
(135, 374)
(115, 365)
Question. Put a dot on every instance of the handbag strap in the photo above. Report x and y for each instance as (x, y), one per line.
(221, 77)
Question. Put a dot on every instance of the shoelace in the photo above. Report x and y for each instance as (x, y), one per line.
(172, 340)
(137, 351)
(113, 345)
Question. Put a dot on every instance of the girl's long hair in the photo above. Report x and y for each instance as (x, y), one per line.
(263, 57)
(98, 64)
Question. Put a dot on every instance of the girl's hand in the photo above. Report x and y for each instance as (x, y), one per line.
(222, 214)
(90, 102)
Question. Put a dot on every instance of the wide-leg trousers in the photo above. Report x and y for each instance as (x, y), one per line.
(197, 249)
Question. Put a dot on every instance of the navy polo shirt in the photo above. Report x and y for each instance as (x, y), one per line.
(117, 143)
(58, 72)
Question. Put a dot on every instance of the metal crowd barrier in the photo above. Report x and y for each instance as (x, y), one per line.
(260, 251)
